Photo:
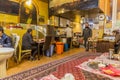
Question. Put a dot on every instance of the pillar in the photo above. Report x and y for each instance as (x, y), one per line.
(77, 27)
(114, 13)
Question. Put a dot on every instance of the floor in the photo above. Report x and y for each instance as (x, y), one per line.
(26, 64)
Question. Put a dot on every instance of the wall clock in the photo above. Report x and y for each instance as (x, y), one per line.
(101, 17)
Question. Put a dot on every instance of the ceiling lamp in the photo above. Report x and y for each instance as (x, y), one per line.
(29, 2)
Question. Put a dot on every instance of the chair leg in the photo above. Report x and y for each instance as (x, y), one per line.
(43, 53)
(16, 59)
(6, 64)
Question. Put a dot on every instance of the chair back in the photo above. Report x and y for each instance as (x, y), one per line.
(15, 40)
(22, 53)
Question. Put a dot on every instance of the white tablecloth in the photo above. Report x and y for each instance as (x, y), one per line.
(104, 59)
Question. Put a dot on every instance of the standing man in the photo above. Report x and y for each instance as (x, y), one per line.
(117, 41)
(68, 32)
(28, 43)
(5, 40)
(87, 33)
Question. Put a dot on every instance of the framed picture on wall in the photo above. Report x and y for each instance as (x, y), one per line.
(41, 19)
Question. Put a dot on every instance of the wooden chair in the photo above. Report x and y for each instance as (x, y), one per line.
(16, 40)
(23, 53)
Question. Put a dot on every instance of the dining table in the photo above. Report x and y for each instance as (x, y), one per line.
(40, 43)
(104, 45)
(101, 45)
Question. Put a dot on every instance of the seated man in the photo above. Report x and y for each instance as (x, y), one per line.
(117, 41)
(5, 40)
(28, 43)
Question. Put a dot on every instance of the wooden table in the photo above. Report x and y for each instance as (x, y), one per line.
(101, 45)
(104, 46)
(39, 42)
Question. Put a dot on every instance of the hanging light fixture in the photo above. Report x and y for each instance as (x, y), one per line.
(29, 2)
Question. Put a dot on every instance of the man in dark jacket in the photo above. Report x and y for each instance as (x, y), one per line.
(5, 40)
(117, 41)
(87, 33)
(28, 43)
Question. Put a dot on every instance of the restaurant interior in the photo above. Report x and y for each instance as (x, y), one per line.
(48, 20)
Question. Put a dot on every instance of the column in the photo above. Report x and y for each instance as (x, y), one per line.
(114, 13)
(77, 27)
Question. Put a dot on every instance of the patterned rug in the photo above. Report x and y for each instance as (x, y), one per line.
(59, 68)
(69, 67)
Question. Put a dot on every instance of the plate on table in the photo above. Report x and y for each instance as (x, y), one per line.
(93, 65)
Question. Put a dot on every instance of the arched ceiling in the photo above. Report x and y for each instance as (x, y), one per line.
(48, 1)
(70, 10)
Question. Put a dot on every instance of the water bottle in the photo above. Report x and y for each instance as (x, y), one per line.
(111, 51)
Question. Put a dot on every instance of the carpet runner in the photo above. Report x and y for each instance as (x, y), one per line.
(59, 68)
(69, 67)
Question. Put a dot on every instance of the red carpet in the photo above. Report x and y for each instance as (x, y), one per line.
(59, 68)
(69, 67)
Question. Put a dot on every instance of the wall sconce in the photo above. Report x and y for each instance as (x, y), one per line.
(82, 20)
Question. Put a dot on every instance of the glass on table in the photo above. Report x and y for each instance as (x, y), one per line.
(111, 51)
